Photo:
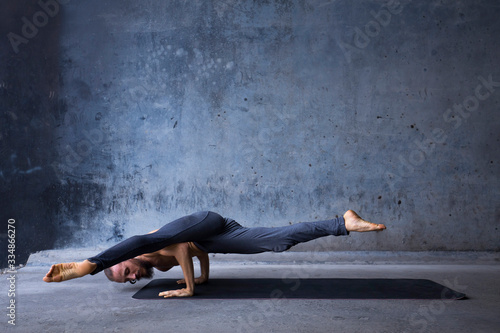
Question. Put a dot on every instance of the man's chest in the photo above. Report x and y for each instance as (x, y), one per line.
(164, 263)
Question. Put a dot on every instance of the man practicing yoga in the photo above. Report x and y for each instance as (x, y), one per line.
(197, 235)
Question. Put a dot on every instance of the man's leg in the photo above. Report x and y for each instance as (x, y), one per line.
(238, 239)
(188, 228)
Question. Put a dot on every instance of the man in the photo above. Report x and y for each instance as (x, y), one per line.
(197, 235)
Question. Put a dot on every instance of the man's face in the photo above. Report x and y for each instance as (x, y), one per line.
(132, 269)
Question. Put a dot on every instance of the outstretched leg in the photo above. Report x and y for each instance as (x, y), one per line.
(185, 229)
(238, 239)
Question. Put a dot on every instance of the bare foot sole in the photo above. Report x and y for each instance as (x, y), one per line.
(353, 222)
(62, 272)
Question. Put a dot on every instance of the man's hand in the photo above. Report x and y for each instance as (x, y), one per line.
(68, 271)
(184, 292)
(198, 280)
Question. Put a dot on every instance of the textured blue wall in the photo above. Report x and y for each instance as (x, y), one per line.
(273, 112)
(29, 75)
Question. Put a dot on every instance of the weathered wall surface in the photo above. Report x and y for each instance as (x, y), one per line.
(29, 75)
(273, 112)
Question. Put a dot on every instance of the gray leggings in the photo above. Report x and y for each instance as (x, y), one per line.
(213, 233)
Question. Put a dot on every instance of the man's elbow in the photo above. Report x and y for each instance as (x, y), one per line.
(182, 248)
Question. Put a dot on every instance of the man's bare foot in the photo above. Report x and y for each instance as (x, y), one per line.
(353, 222)
(68, 271)
(61, 272)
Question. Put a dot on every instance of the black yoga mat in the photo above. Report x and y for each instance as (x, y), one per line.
(307, 289)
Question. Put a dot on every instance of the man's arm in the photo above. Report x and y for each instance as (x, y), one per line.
(204, 267)
(182, 254)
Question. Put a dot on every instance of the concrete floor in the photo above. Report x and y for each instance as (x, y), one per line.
(92, 304)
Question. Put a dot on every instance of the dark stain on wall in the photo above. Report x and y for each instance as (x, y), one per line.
(28, 112)
(71, 206)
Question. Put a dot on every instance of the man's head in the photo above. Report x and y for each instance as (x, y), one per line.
(129, 270)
